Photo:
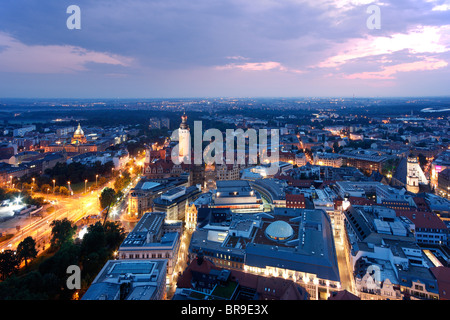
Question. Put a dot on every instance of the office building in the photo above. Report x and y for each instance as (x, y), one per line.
(153, 238)
(129, 280)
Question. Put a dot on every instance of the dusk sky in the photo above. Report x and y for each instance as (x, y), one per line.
(218, 48)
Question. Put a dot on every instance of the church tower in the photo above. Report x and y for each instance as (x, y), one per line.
(184, 138)
(414, 175)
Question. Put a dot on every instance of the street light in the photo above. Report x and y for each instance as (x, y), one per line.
(68, 184)
(54, 186)
(85, 186)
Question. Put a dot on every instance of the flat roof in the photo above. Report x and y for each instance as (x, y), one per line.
(149, 185)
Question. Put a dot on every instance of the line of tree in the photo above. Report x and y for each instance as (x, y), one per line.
(74, 172)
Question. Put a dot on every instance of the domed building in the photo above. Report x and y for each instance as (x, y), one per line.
(78, 136)
(279, 231)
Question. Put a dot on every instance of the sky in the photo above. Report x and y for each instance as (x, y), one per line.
(224, 48)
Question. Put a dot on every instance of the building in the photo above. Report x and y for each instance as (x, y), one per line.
(292, 244)
(129, 280)
(203, 280)
(438, 205)
(428, 227)
(78, 136)
(300, 159)
(414, 176)
(442, 275)
(238, 195)
(184, 141)
(343, 295)
(22, 131)
(159, 123)
(153, 238)
(386, 260)
(272, 190)
(328, 159)
(295, 200)
(198, 175)
(175, 201)
(365, 163)
(140, 198)
(444, 182)
(65, 131)
(228, 171)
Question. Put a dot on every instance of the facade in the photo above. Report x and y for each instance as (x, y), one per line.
(328, 159)
(228, 172)
(365, 163)
(295, 200)
(22, 131)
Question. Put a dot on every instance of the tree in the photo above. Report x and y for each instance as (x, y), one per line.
(107, 198)
(46, 187)
(422, 160)
(9, 263)
(62, 231)
(98, 245)
(336, 147)
(27, 250)
(64, 191)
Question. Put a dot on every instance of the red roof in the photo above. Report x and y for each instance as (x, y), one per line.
(421, 204)
(442, 275)
(423, 219)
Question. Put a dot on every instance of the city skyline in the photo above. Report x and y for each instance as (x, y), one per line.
(182, 49)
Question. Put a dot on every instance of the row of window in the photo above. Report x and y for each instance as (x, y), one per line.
(420, 235)
(146, 256)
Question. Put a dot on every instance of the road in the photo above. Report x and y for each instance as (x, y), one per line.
(344, 268)
(74, 208)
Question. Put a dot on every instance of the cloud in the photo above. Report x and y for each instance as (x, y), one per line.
(421, 40)
(16, 56)
(258, 66)
(388, 72)
(439, 5)
(236, 58)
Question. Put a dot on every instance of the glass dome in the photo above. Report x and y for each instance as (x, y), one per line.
(279, 231)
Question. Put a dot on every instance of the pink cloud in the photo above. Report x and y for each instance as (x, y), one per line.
(19, 57)
(258, 66)
(388, 72)
(426, 39)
